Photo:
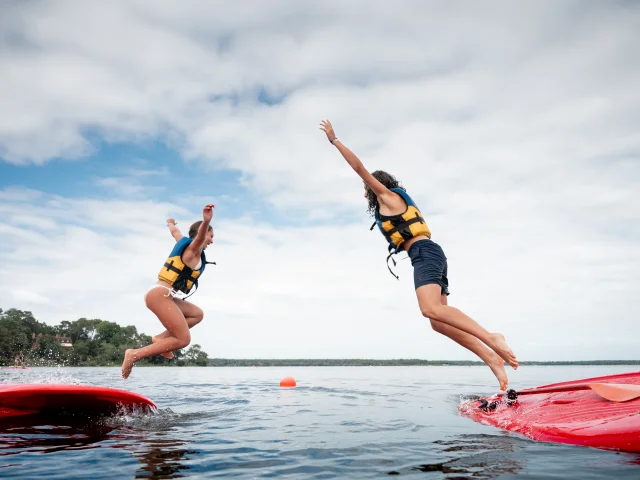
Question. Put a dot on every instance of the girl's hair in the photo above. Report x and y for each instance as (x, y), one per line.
(388, 181)
(193, 230)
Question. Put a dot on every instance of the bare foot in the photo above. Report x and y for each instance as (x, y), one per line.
(496, 364)
(128, 363)
(499, 345)
(167, 355)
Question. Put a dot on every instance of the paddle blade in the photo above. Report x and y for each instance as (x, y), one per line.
(616, 392)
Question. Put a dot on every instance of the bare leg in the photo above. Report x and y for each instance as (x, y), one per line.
(432, 308)
(470, 342)
(192, 314)
(172, 319)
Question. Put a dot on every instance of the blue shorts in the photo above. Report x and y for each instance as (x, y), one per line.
(429, 265)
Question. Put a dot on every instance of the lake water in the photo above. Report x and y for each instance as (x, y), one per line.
(339, 422)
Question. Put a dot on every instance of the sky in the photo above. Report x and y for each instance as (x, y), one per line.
(515, 126)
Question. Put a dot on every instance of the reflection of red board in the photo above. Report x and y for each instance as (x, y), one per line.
(578, 417)
(26, 399)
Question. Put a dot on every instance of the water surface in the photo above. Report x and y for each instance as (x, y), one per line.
(339, 422)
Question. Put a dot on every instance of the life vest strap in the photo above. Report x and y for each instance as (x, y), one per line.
(391, 249)
(184, 275)
(387, 234)
(181, 273)
(394, 263)
(397, 228)
(195, 282)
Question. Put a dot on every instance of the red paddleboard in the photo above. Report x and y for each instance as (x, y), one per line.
(27, 399)
(578, 417)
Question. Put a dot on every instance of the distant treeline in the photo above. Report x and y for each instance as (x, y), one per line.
(357, 362)
(82, 342)
(94, 342)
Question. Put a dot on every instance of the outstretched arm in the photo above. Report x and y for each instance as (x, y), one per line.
(175, 231)
(207, 214)
(382, 192)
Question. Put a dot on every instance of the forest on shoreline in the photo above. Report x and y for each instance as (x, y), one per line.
(94, 342)
(354, 362)
(82, 342)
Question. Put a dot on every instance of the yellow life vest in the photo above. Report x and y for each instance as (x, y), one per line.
(176, 273)
(399, 228)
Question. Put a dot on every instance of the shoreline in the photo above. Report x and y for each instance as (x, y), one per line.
(219, 363)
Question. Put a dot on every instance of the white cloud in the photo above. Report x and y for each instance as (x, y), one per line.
(515, 127)
(316, 292)
(27, 298)
(128, 186)
(19, 194)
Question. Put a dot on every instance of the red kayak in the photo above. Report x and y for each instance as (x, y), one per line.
(50, 399)
(601, 412)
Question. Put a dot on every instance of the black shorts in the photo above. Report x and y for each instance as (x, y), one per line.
(429, 265)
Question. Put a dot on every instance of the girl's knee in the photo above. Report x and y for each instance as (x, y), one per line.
(437, 326)
(185, 339)
(432, 312)
(195, 317)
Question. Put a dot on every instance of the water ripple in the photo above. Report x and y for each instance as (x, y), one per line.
(339, 423)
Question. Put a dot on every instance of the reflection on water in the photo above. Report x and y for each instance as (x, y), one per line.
(486, 456)
(160, 455)
(472, 456)
(160, 458)
(33, 433)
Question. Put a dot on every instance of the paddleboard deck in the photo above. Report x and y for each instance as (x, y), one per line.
(59, 399)
(578, 417)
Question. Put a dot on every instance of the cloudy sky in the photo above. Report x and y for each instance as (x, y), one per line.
(514, 125)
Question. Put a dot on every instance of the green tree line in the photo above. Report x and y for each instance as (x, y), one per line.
(102, 343)
(401, 362)
(94, 342)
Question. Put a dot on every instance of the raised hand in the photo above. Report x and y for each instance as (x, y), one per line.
(326, 127)
(207, 212)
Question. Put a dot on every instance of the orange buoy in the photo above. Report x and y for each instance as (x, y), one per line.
(288, 382)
